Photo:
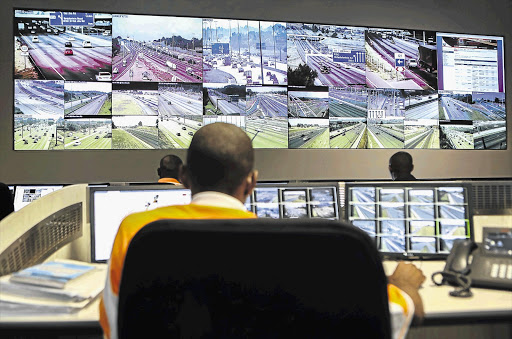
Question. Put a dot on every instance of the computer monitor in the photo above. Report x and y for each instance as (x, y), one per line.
(24, 195)
(295, 200)
(110, 205)
(411, 219)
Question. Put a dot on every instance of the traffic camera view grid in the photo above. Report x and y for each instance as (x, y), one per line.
(119, 81)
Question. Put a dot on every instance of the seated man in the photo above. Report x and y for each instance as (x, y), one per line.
(169, 170)
(400, 167)
(220, 175)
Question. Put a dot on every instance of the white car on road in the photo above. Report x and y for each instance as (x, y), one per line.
(86, 44)
(413, 63)
(103, 76)
(35, 39)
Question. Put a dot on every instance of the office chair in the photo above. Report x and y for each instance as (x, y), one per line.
(256, 278)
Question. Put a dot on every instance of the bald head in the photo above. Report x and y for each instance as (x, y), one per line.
(220, 158)
(400, 163)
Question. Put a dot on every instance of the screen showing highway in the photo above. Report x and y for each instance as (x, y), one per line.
(89, 80)
(410, 219)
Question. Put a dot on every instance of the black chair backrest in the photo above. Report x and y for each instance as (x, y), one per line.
(256, 278)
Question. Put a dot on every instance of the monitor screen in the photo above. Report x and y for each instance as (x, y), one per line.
(87, 80)
(308, 200)
(411, 218)
(24, 195)
(110, 205)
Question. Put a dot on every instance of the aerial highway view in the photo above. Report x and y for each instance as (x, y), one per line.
(334, 53)
(244, 52)
(392, 236)
(34, 133)
(347, 132)
(39, 98)
(348, 102)
(294, 204)
(456, 135)
(387, 102)
(87, 134)
(223, 99)
(308, 133)
(472, 106)
(267, 132)
(135, 98)
(134, 132)
(308, 102)
(417, 68)
(267, 101)
(490, 135)
(82, 99)
(385, 133)
(177, 131)
(421, 133)
(62, 50)
(421, 104)
(180, 99)
(156, 48)
(322, 203)
(266, 202)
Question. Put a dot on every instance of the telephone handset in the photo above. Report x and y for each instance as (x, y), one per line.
(457, 269)
(487, 265)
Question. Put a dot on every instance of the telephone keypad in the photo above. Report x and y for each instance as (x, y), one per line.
(494, 270)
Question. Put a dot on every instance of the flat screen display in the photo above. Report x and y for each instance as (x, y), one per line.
(110, 81)
(110, 205)
(24, 195)
(411, 219)
(286, 201)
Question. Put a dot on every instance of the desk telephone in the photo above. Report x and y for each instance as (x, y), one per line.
(487, 265)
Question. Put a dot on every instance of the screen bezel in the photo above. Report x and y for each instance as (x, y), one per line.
(416, 185)
(93, 190)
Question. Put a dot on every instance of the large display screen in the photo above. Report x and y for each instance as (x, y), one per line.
(124, 81)
(410, 219)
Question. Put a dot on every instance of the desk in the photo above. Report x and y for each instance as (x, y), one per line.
(485, 305)
(488, 306)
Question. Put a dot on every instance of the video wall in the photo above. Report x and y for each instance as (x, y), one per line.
(123, 81)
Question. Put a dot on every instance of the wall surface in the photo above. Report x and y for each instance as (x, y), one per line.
(492, 17)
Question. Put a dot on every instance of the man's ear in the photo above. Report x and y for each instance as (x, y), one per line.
(158, 171)
(183, 176)
(251, 181)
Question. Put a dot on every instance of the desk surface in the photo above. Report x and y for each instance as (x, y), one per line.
(440, 307)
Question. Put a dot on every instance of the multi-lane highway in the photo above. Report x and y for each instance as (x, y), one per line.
(224, 104)
(385, 136)
(490, 135)
(132, 103)
(422, 109)
(414, 78)
(87, 106)
(97, 138)
(85, 62)
(456, 138)
(268, 105)
(421, 137)
(300, 107)
(177, 132)
(138, 61)
(36, 136)
(307, 137)
(317, 54)
(39, 98)
(172, 103)
(348, 136)
(347, 104)
(267, 132)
